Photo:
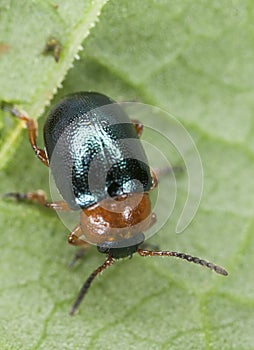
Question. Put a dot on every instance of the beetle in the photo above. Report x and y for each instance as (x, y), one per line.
(98, 173)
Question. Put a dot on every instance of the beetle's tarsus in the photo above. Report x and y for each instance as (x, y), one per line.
(16, 195)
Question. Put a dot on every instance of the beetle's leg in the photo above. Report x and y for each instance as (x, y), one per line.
(38, 197)
(31, 125)
(154, 179)
(138, 126)
(158, 173)
(108, 262)
(220, 270)
(74, 239)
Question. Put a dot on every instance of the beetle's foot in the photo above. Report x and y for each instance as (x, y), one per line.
(38, 197)
(16, 195)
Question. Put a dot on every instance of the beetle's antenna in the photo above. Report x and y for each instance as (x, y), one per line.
(108, 262)
(220, 270)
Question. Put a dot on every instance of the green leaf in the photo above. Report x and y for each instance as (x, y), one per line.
(193, 59)
(29, 78)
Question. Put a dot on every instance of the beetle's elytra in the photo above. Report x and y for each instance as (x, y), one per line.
(100, 167)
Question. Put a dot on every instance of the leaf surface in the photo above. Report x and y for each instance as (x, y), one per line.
(193, 59)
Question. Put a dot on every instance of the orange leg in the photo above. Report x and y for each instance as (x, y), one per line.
(157, 174)
(154, 178)
(74, 239)
(138, 126)
(38, 197)
(31, 125)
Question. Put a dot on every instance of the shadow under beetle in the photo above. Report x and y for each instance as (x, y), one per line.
(113, 216)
